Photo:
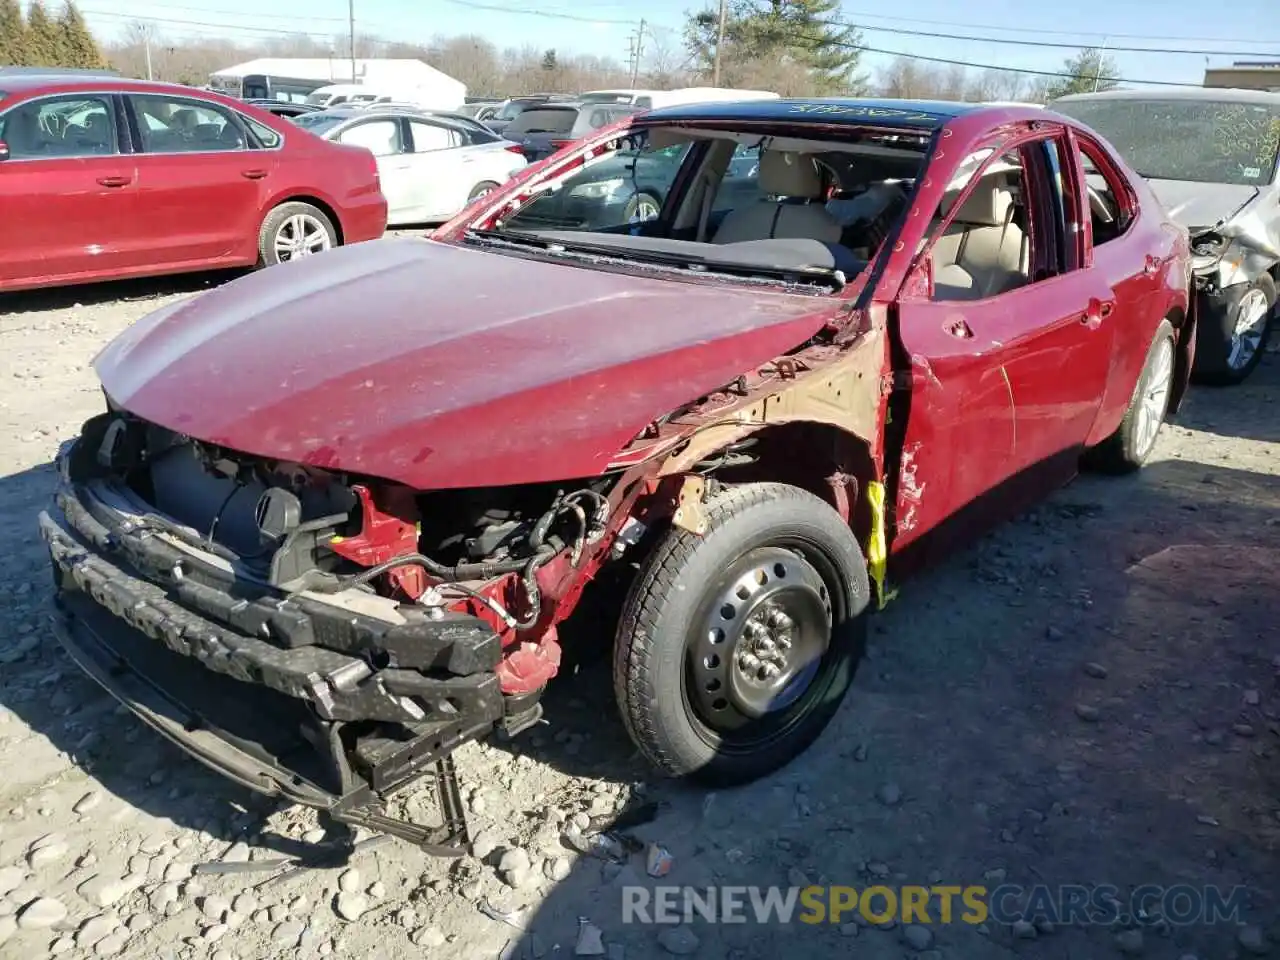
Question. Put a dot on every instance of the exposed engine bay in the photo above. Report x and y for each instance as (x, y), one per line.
(302, 528)
(380, 627)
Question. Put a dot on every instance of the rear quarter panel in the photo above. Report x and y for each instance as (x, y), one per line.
(342, 178)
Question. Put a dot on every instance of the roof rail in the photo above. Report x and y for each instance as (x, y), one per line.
(56, 72)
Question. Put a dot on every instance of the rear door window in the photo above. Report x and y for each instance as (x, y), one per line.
(380, 137)
(428, 137)
(60, 127)
(172, 125)
(554, 120)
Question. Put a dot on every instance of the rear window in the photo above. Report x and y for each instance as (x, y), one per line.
(318, 123)
(545, 120)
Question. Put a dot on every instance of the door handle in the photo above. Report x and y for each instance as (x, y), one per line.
(959, 328)
(253, 174)
(115, 181)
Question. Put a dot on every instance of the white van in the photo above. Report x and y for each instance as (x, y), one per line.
(653, 99)
(347, 94)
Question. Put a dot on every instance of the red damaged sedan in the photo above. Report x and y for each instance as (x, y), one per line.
(103, 178)
(331, 520)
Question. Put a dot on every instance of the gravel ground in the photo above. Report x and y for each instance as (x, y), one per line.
(1088, 696)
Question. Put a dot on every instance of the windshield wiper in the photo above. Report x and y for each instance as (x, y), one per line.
(688, 262)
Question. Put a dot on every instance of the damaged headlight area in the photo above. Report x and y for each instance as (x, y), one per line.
(1207, 250)
(312, 634)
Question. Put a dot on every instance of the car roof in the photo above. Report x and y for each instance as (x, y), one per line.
(410, 113)
(1214, 94)
(89, 80)
(917, 114)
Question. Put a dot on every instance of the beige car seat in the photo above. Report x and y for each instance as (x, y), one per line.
(785, 175)
(983, 252)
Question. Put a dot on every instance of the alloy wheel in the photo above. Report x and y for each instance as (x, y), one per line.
(301, 235)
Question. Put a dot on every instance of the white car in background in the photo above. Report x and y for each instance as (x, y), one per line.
(430, 166)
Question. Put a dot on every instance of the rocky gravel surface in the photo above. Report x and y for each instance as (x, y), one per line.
(1090, 695)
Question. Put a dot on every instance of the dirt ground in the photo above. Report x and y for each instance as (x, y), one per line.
(1091, 695)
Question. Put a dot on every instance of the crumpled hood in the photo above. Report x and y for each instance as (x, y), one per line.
(443, 366)
(1201, 206)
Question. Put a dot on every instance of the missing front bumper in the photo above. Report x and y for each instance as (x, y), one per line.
(341, 730)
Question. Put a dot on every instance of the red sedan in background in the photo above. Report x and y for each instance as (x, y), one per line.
(103, 178)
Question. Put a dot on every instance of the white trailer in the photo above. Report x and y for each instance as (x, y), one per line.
(296, 78)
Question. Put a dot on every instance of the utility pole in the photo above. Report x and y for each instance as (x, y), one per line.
(1097, 70)
(637, 53)
(351, 31)
(724, 15)
(146, 46)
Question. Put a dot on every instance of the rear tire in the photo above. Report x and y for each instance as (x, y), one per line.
(1130, 446)
(735, 648)
(480, 189)
(294, 230)
(1232, 332)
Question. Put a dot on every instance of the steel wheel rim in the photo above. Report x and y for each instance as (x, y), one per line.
(301, 235)
(646, 209)
(1251, 323)
(753, 662)
(480, 192)
(1154, 400)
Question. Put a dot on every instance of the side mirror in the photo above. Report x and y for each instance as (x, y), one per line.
(4, 150)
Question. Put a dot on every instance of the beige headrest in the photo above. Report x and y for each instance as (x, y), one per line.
(789, 175)
(989, 203)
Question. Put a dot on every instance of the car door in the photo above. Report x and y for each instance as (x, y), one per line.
(68, 191)
(202, 184)
(1008, 337)
(1133, 254)
(444, 170)
(385, 138)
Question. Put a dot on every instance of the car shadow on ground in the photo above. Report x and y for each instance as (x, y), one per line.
(1217, 410)
(1106, 714)
(114, 291)
(1087, 719)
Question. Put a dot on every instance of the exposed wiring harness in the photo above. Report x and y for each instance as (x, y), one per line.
(590, 527)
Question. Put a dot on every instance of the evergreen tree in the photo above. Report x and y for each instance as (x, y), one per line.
(807, 33)
(550, 63)
(79, 47)
(13, 35)
(44, 40)
(1088, 71)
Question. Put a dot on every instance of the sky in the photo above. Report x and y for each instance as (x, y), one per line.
(1026, 35)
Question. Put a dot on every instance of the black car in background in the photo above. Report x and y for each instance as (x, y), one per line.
(544, 129)
(630, 188)
(284, 108)
(508, 110)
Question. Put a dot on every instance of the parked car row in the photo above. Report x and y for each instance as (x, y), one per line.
(111, 178)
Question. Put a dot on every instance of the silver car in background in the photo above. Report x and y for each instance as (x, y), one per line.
(1210, 155)
(430, 166)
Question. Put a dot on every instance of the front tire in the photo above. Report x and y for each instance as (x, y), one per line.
(735, 648)
(642, 208)
(292, 231)
(1130, 446)
(1232, 332)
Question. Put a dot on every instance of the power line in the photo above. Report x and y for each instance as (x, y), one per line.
(860, 14)
(550, 14)
(864, 48)
(1058, 44)
(995, 66)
